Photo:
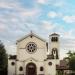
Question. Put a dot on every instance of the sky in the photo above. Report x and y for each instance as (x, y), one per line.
(43, 17)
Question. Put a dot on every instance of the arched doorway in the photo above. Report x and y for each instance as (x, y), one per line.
(31, 69)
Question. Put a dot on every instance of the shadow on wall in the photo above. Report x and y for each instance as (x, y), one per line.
(4, 72)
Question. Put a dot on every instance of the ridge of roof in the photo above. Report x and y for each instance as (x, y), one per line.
(54, 34)
(31, 34)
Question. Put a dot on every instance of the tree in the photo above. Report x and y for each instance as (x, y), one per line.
(72, 63)
(3, 58)
(71, 57)
(70, 54)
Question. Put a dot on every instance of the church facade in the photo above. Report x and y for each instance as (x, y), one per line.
(35, 56)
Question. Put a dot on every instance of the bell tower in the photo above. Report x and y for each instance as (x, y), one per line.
(54, 45)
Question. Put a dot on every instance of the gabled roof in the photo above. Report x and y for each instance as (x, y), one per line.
(31, 35)
(54, 34)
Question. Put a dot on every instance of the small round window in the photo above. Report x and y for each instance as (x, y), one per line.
(31, 47)
(50, 63)
(12, 63)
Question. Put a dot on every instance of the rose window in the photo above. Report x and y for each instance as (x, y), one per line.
(31, 47)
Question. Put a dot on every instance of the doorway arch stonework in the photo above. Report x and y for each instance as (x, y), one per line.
(31, 69)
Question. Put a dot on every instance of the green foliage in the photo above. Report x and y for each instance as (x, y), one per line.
(59, 72)
(72, 62)
(71, 56)
(3, 57)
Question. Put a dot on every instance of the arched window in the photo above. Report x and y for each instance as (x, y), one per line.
(55, 52)
(41, 68)
(54, 39)
(21, 68)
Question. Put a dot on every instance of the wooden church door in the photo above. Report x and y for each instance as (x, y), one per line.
(31, 69)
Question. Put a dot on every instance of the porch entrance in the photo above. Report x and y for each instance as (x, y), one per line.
(31, 69)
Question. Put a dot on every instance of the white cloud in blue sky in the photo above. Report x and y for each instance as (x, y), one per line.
(19, 17)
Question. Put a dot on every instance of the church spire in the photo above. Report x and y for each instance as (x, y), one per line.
(31, 34)
(31, 31)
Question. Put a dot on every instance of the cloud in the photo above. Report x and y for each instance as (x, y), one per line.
(9, 5)
(14, 18)
(55, 3)
(69, 19)
(30, 13)
(48, 25)
(5, 5)
(66, 45)
(42, 1)
(2, 27)
(16, 6)
(11, 48)
(66, 34)
(52, 14)
(59, 3)
(17, 19)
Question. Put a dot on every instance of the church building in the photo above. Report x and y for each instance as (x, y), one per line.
(35, 56)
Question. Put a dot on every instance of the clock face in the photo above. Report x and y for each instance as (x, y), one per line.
(31, 47)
